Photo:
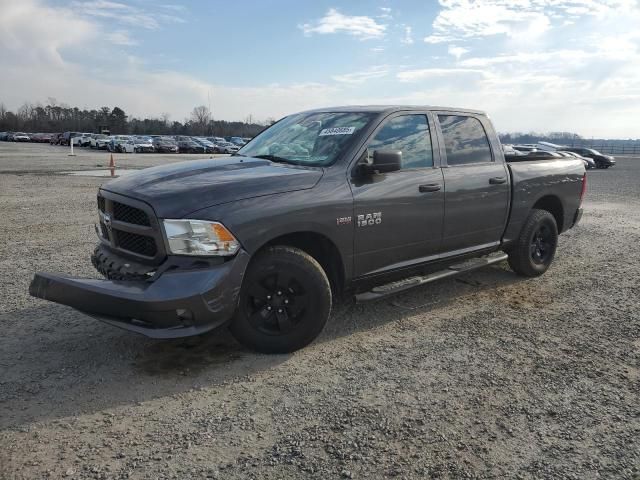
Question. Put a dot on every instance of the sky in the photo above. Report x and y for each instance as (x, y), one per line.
(532, 65)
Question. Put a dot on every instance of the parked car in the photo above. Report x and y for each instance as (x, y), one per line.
(510, 151)
(527, 147)
(120, 144)
(55, 139)
(589, 163)
(100, 141)
(67, 138)
(225, 147)
(3, 136)
(562, 150)
(601, 160)
(82, 140)
(187, 145)
(209, 147)
(142, 145)
(20, 137)
(40, 137)
(239, 141)
(165, 145)
(363, 205)
(93, 140)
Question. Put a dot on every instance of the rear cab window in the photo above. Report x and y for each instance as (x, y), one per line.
(465, 140)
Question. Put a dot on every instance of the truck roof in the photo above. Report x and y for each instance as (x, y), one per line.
(392, 108)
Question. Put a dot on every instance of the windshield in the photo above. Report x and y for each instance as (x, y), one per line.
(314, 139)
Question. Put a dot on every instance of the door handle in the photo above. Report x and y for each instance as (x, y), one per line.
(429, 187)
(497, 180)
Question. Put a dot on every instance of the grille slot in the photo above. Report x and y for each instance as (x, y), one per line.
(140, 244)
(101, 206)
(128, 214)
(105, 232)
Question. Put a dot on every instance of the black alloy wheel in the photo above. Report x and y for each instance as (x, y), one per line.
(285, 301)
(542, 244)
(276, 303)
(532, 252)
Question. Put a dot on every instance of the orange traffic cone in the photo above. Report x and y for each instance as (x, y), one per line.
(112, 166)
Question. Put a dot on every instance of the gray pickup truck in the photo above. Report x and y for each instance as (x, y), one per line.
(364, 201)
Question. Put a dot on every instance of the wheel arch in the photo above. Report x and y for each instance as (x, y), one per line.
(321, 248)
(553, 205)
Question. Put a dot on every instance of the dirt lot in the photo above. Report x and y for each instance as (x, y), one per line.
(486, 376)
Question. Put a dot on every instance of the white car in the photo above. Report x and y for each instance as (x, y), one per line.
(82, 140)
(21, 137)
(143, 145)
(93, 142)
(226, 147)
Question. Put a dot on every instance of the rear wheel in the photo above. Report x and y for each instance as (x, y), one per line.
(535, 248)
(285, 301)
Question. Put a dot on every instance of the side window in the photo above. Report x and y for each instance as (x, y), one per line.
(464, 139)
(409, 134)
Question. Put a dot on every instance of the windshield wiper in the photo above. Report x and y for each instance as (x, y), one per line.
(277, 159)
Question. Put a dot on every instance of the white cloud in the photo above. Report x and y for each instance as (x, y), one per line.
(457, 51)
(523, 19)
(128, 14)
(463, 19)
(407, 39)
(430, 73)
(361, 77)
(583, 77)
(31, 32)
(35, 37)
(121, 37)
(386, 13)
(335, 22)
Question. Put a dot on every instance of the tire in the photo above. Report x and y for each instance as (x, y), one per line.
(536, 246)
(288, 281)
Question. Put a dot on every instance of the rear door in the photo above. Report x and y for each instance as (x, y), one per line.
(476, 180)
(398, 215)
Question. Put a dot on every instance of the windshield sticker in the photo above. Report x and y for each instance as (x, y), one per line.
(337, 131)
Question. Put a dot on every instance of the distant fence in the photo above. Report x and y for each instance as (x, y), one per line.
(611, 149)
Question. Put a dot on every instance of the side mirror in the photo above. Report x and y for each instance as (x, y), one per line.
(385, 161)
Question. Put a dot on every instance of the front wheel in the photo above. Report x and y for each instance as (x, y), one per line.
(285, 301)
(535, 248)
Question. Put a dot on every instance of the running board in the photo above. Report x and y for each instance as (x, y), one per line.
(411, 282)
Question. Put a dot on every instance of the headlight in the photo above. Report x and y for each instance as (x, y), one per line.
(201, 238)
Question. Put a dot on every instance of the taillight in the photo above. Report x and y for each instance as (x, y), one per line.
(584, 187)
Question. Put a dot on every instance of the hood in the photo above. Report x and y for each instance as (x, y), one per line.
(176, 190)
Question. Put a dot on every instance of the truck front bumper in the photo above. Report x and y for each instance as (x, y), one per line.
(179, 303)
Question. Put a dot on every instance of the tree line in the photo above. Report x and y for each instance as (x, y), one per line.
(561, 138)
(54, 117)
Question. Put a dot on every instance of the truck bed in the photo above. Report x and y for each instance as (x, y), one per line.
(556, 183)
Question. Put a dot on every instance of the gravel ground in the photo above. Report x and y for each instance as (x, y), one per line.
(484, 376)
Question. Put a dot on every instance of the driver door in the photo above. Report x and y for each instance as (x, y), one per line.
(398, 215)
